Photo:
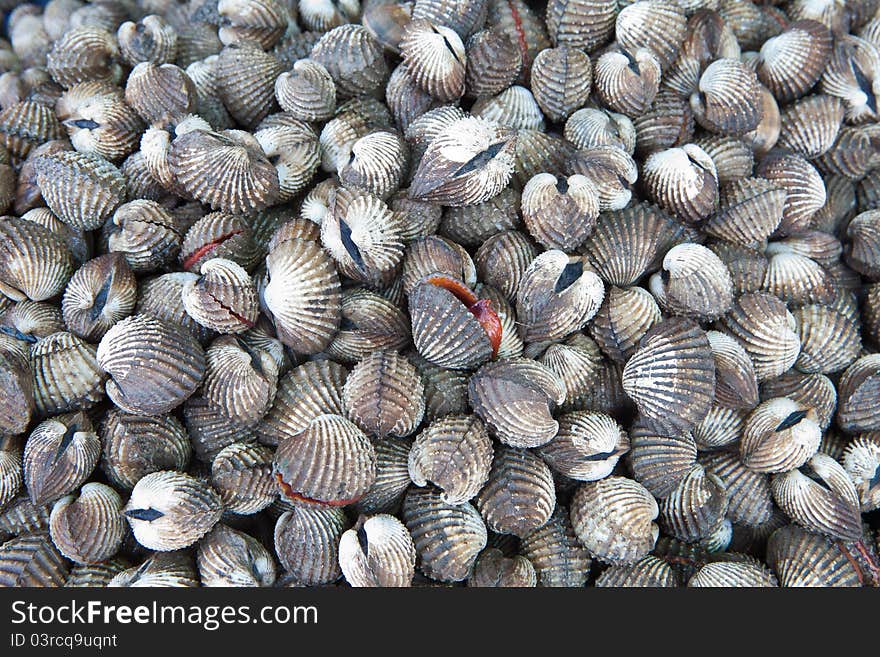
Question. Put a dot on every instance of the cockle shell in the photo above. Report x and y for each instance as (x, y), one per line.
(227, 557)
(67, 374)
(32, 560)
(102, 292)
(88, 528)
(803, 559)
(694, 282)
(493, 569)
(242, 475)
(792, 62)
(779, 435)
(587, 446)
(559, 212)
(658, 25)
(861, 460)
(695, 506)
(353, 58)
(161, 569)
(554, 551)
(145, 233)
(590, 127)
(682, 181)
(378, 551)
(151, 39)
(307, 543)
(493, 63)
(857, 389)
(627, 83)
(59, 455)
(223, 299)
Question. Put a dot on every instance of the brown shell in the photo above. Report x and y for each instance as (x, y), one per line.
(353, 58)
(693, 282)
(307, 543)
(668, 123)
(780, 435)
(307, 91)
(830, 341)
(219, 235)
(88, 528)
(623, 319)
(587, 447)
(682, 181)
(160, 296)
(445, 390)
(161, 569)
(392, 477)
(67, 374)
(292, 146)
(858, 392)
(612, 170)
(384, 395)
(810, 126)
(493, 569)
(435, 59)
(658, 25)
(472, 225)
(493, 63)
(803, 559)
(447, 538)
(101, 292)
(660, 459)
(736, 384)
(814, 391)
(627, 83)
(727, 99)
(647, 572)
(145, 233)
(750, 210)
(733, 574)
(242, 475)
(59, 456)
(82, 54)
(590, 127)
(377, 551)
(32, 561)
(223, 299)
(577, 362)
(792, 62)
(503, 259)
(151, 39)
(613, 518)
(555, 552)
(36, 264)
(227, 557)
(330, 462)
(153, 366)
(803, 185)
(515, 398)
(695, 507)
(27, 125)
(133, 446)
(559, 212)
(749, 499)
(863, 249)
(733, 157)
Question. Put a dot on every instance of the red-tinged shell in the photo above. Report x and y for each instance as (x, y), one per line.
(223, 299)
(219, 235)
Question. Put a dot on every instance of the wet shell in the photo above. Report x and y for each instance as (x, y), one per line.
(736, 384)
(463, 16)
(227, 557)
(303, 295)
(559, 212)
(171, 510)
(695, 507)
(612, 170)
(161, 569)
(733, 574)
(493, 569)
(515, 398)
(27, 125)
(503, 259)
(581, 24)
(353, 58)
(519, 495)
(82, 54)
(767, 331)
(29, 321)
(683, 181)
(59, 455)
(392, 477)
(307, 91)
(353, 120)
(67, 374)
(227, 171)
(820, 497)
(88, 528)
(20, 516)
(803, 559)
(647, 572)
(613, 518)
(81, 189)
(377, 551)
(627, 83)
(556, 296)
(810, 126)
(658, 25)
(727, 98)
(493, 63)
(219, 235)
(623, 319)
(330, 462)
(660, 459)
(32, 561)
(151, 39)
(803, 185)
(467, 163)
(133, 446)
(694, 282)
(858, 391)
(145, 233)
(587, 446)
(100, 293)
(447, 538)
(673, 364)
(555, 552)
(370, 323)
(307, 543)
(748, 492)
(384, 395)
(242, 475)
(792, 62)
(829, 341)
(861, 460)
(812, 390)
(246, 82)
(305, 392)
(779, 435)
(153, 366)
(750, 210)
(223, 299)
(590, 127)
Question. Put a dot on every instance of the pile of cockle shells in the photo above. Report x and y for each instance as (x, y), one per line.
(304, 292)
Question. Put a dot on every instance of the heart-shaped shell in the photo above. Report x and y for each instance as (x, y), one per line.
(151, 39)
(736, 384)
(660, 459)
(219, 235)
(203, 74)
(307, 543)
(587, 447)
(820, 496)
(133, 446)
(611, 170)
(171, 510)
(694, 282)
(303, 295)
(384, 395)
(792, 62)
(59, 455)
(353, 120)
(466, 163)
(682, 181)
(242, 475)
(161, 569)
(515, 398)
(559, 212)
(766, 330)
(671, 377)
(263, 21)
(668, 123)
(67, 375)
(84, 53)
(227, 557)
(695, 507)
(519, 495)
(658, 25)
(804, 187)
(803, 559)
(88, 528)
(435, 59)
(750, 210)
(223, 299)
(160, 297)
(246, 82)
(227, 171)
(153, 366)
(613, 518)
(727, 98)
(377, 551)
(590, 127)
(307, 91)
(353, 58)
(852, 75)
(447, 538)
(293, 148)
(330, 462)
(32, 560)
(779, 435)
(858, 392)
(749, 499)
(555, 552)
(493, 63)
(370, 323)
(627, 83)
(515, 108)
(708, 39)
(102, 292)
(145, 233)
(733, 157)
(556, 296)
